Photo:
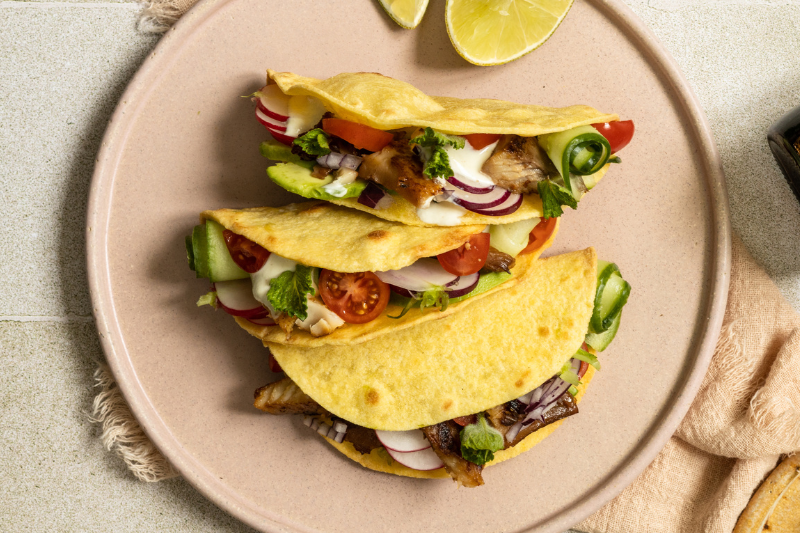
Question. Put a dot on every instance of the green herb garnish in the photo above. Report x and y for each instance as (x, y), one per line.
(314, 142)
(432, 147)
(287, 293)
(553, 197)
(479, 441)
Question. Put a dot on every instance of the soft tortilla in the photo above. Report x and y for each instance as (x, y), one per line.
(464, 363)
(350, 334)
(401, 210)
(386, 103)
(337, 238)
(382, 462)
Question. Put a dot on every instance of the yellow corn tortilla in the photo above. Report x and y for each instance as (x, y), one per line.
(464, 363)
(379, 460)
(350, 334)
(328, 236)
(401, 210)
(386, 103)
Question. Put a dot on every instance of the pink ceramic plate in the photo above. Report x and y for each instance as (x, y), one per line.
(182, 140)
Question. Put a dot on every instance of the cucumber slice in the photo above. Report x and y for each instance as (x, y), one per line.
(276, 151)
(581, 151)
(612, 294)
(600, 341)
(512, 238)
(210, 257)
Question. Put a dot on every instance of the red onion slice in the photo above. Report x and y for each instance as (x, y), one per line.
(337, 160)
(424, 274)
(506, 208)
(371, 195)
(468, 185)
(495, 197)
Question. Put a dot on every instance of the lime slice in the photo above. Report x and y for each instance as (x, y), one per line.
(493, 32)
(407, 13)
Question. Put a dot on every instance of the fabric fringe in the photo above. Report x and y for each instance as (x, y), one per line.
(159, 15)
(122, 433)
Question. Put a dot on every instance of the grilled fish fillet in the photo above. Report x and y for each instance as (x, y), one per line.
(397, 168)
(445, 441)
(285, 397)
(518, 164)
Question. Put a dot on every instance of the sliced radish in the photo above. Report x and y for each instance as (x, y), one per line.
(463, 285)
(270, 114)
(236, 298)
(420, 276)
(272, 99)
(269, 122)
(281, 138)
(412, 440)
(419, 460)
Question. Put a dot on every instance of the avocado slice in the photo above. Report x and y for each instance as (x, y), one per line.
(208, 254)
(299, 180)
(276, 151)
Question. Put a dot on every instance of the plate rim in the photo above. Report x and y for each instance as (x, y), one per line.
(113, 342)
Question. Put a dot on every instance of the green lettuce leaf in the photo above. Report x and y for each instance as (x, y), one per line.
(287, 293)
(432, 143)
(314, 142)
(553, 197)
(479, 441)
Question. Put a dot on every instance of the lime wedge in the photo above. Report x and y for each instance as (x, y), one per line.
(407, 13)
(493, 32)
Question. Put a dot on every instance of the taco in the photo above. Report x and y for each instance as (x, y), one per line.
(315, 273)
(446, 398)
(380, 145)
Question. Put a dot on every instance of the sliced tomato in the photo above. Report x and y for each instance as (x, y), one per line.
(540, 233)
(273, 364)
(359, 135)
(356, 297)
(482, 140)
(618, 133)
(465, 420)
(248, 255)
(467, 258)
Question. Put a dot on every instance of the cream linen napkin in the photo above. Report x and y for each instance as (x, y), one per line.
(746, 414)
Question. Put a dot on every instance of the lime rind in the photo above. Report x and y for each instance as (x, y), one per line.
(536, 22)
(406, 13)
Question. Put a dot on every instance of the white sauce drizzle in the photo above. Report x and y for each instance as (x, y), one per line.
(441, 213)
(320, 320)
(467, 162)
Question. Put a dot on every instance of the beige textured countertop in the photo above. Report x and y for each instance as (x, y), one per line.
(63, 65)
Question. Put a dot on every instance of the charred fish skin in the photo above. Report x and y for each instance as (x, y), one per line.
(284, 397)
(498, 261)
(446, 443)
(397, 168)
(518, 164)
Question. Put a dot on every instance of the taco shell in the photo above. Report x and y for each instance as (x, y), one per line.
(466, 362)
(380, 461)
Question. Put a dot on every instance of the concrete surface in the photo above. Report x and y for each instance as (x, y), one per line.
(63, 66)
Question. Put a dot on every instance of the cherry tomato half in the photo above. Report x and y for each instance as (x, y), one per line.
(273, 364)
(467, 258)
(356, 297)
(482, 140)
(465, 420)
(540, 233)
(618, 133)
(359, 135)
(248, 255)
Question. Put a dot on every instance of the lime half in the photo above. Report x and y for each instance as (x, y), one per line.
(407, 13)
(493, 32)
